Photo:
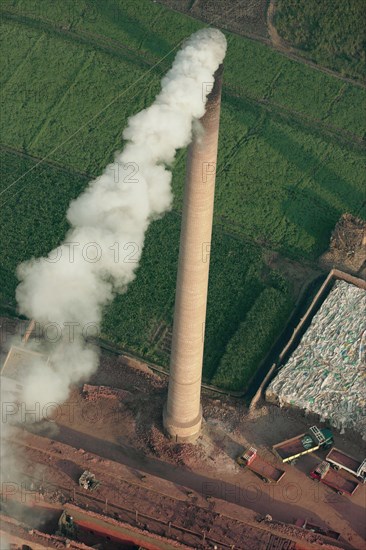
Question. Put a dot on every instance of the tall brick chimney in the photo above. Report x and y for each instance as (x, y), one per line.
(183, 412)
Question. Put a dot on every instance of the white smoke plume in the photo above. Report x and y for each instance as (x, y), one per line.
(68, 286)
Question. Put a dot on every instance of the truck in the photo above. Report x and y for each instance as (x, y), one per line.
(66, 526)
(323, 473)
(266, 471)
(305, 524)
(291, 449)
(340, 460)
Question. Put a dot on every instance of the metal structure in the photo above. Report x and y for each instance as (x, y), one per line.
(183, 412)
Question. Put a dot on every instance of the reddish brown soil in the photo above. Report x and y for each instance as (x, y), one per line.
(53, 469)
(129, 432)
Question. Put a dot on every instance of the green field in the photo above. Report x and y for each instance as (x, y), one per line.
(133, 320)
(331, 32)
(290, 163)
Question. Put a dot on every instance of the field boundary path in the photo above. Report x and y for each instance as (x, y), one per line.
(274, 41)
(116, 48)
(293, 53)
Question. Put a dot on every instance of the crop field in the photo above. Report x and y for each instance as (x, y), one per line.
(241, 17)
(124, 29)
(331, 33)
(257, 332)
(133, 320)
(290, 163)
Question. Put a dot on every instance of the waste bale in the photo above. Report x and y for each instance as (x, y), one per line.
(326, 374)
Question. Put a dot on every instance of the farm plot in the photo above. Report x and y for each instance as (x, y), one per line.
(262, 156)
(281, 185)
(244, 351)
(32, 213)
(154, 32)
(133, 318)
(313, 99)
(20, 48)
(330, 33)
(345, 115)
(70, 101)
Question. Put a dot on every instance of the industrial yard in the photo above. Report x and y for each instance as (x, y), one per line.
(112, 426)
(182, 276)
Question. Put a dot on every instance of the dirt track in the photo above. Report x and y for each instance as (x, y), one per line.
(148, 502)
(130, 433)
(249, 18)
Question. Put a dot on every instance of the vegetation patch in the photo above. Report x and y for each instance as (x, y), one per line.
(290, 163)
(263, 323)
(331, 32)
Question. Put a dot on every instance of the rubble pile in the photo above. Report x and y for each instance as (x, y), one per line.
(326, 374)
(347, 249)
(93, 393)
(185, 455)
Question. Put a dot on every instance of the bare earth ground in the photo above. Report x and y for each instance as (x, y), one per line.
(124, 490)
(129, 432)
(124, 425)
(243, 17)
(347, 248)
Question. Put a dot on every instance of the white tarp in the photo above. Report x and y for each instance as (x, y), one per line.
(326, 374)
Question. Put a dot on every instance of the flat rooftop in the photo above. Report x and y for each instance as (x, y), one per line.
(325, 375)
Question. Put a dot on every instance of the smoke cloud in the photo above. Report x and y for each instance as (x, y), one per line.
(73, 285)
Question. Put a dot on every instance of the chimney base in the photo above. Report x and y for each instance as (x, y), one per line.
(182, 432)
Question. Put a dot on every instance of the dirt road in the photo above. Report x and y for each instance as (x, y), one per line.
(296, 497)
(130, 434)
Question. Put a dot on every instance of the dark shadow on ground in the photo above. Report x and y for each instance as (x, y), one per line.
(70, 469)
(250, 494)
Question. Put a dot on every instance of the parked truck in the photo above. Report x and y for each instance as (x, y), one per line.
(291, 449)
(342, 461)
(325, 474)
(66, 526)
(266, 471)
(305, 524)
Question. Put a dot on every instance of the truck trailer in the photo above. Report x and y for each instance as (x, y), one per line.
(325, 474)
(342, 461)
(266, 471)
(291, 449)
(305, 524)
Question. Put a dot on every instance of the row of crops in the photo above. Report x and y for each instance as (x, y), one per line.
(122, 28)
(331, 33)
(71, 75)
(34, 223)
(70, 102)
